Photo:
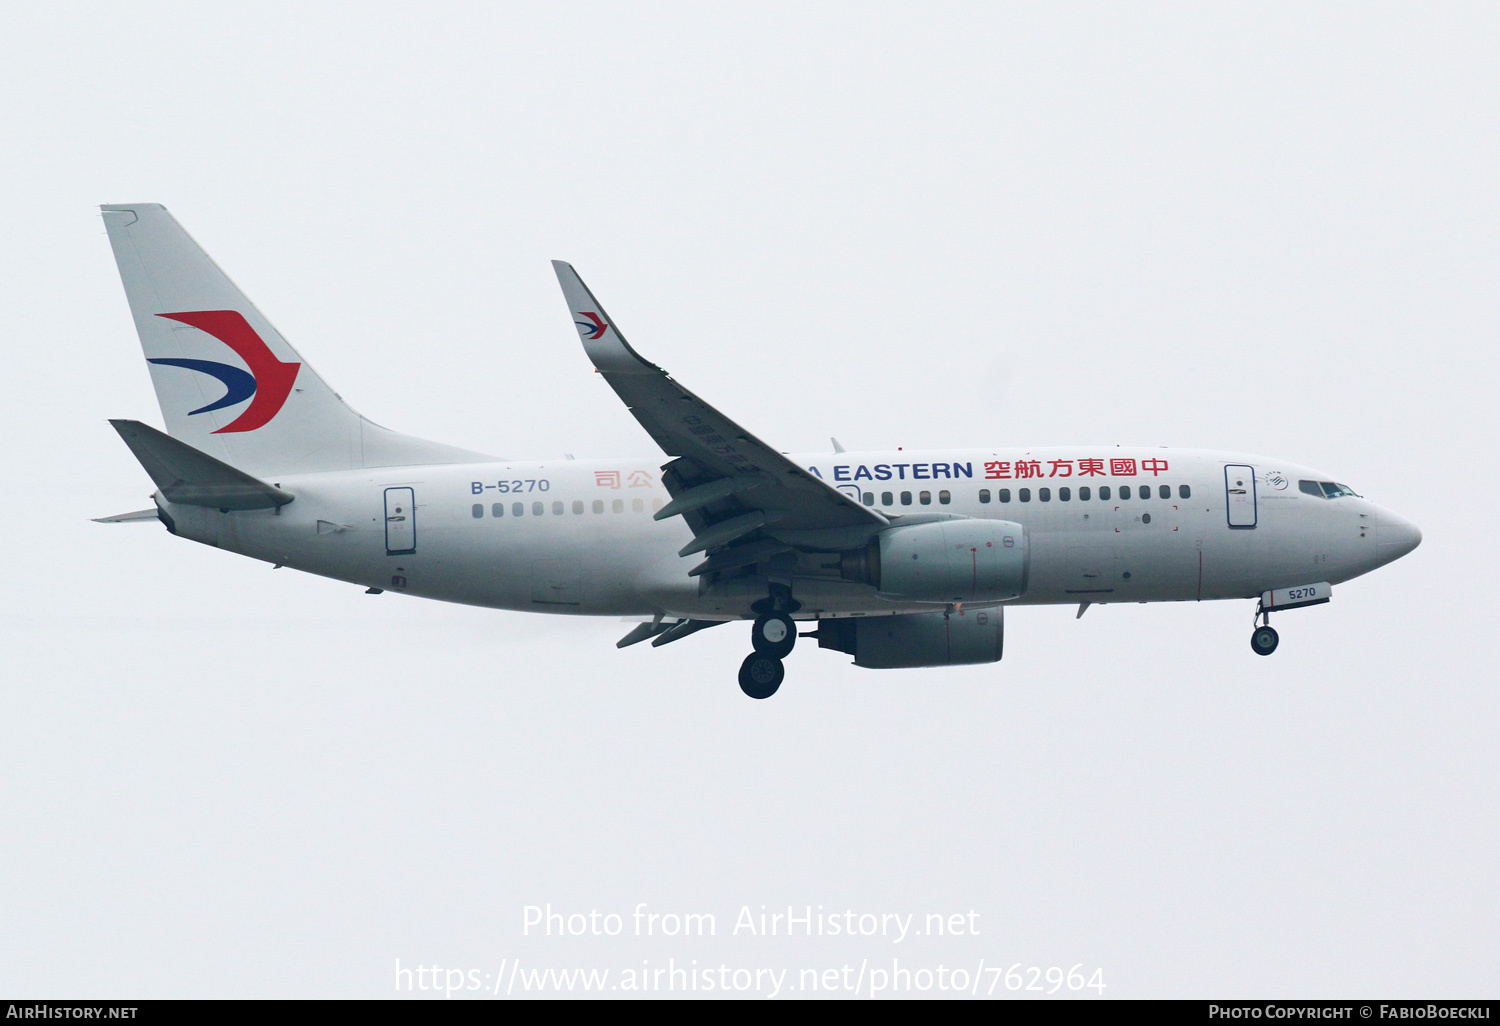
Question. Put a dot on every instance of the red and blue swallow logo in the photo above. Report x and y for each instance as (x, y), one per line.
(595, 324)
(269, 380)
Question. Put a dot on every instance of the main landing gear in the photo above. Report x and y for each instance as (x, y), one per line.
(1264, 639)
(772, 635)
(761, 675)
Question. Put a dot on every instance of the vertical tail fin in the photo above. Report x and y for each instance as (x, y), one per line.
(229, 385)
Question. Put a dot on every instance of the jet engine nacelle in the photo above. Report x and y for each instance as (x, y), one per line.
(918, 639)
(958, 560)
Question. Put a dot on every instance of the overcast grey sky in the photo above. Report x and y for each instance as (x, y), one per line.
(1269, 228)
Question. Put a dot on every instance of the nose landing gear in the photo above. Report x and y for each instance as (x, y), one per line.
(1264, 639)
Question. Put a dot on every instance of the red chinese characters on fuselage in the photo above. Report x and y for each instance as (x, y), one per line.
(1001, 470)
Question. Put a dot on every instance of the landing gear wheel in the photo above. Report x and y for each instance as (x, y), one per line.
(1264, 640)
(761, 675)
(774, 635)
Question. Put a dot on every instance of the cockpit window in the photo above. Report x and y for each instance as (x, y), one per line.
(1326, 489)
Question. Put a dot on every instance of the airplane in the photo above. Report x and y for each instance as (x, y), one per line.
(896, 558)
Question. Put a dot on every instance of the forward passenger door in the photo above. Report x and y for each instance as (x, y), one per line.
(1239, 495)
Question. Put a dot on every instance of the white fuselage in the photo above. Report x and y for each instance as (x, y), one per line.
(578, 536)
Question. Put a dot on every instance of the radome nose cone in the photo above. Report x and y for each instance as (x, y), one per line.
(1397, 538)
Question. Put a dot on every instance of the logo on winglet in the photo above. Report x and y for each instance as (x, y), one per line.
(269, 380)
(594, 324)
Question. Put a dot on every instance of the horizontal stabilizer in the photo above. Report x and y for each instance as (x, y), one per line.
(138, 516)
(195, 478)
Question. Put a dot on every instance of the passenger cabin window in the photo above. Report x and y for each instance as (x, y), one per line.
(1004, 494)
(577, 507)
(869, 498)
(1045, 494)
(887, 499)
(925, 498)
(478, 510)
(1124, 491)
(1184, 492)
(906, 498)
(945, 497)
(1085, 493)
(984, 495)
(497, 510)
(1025, 494)
(1064, 494)
(637, 505)
(598, 505)
(517, 509)
(557, 508)
(1104, 493)
(1165, 491)
(618, 506)
(537, 509)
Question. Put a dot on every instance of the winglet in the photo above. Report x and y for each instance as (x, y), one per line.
(601, 339)
(193, 478)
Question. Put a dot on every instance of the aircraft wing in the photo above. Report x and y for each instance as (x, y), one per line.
(736, 492)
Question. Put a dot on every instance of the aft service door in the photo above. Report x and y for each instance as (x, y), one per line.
(400, 521)
(1239, 490)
